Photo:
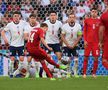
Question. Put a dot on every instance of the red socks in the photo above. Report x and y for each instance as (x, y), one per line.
(46, 69)
(85, 64)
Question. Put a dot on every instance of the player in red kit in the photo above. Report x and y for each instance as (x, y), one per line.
(91, 40)
(33, 46)
(103, 36)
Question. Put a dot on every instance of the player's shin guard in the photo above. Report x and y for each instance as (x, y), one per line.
(75, 68)
(11, 67)
(46, 69)
(95, 66)
(85, 64)
(68, 70)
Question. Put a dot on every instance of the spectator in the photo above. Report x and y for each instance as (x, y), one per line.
(45, 2)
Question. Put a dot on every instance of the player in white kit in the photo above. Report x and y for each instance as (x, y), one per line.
(32, 23)
(71, 35)
(53, 34)
(16, 29)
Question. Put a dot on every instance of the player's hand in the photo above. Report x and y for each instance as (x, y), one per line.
(69, 46)
(72, 47)
(85, 44)
(6, 42)
(50, 49)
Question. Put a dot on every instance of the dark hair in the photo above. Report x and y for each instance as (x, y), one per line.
(16, 12)
(52, 12)
(94, 8)
(32, 15)
(43, 25)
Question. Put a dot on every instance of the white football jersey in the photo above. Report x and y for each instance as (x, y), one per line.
(28, 27)
(16, 33)
(53, 31)
(71, 33)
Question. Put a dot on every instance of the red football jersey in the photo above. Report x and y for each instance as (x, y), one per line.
(104, 21)
(34, 38)
(91, 29)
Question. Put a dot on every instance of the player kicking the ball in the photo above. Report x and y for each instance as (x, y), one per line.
(33, 46)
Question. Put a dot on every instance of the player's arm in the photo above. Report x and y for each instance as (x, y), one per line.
(4, 36)
(45, 44)
(101, 33)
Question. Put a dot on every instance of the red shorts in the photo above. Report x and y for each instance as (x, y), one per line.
(105, 51)
(92, 47)
(37, 53)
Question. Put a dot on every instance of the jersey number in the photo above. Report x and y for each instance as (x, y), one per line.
(31, 37)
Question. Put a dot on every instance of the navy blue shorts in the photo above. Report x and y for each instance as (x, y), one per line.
(55, 47)
(70, 52)
(16, 51)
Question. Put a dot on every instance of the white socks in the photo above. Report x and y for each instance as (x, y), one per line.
(11, 67)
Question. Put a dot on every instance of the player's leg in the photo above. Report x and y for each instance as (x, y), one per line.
(75, 69)
(43, 55)
(95, 53)
(105, 55)
(12, 59)
(66, 59)
(75, 57)
(95, 66)
(49, 60)
(57, 51)
(58, 54)
(85, 63)
(20, 51)
(29, 59)
(46, 69)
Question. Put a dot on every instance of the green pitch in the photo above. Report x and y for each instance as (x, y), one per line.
(100, 83)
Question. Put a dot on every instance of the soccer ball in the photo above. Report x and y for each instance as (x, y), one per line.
(65, 60)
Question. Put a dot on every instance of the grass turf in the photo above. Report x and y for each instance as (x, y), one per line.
(100, 83)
